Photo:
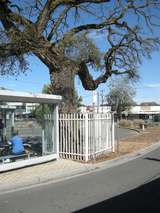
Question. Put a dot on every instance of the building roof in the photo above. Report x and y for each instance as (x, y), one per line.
(25, 97)
(144, 110)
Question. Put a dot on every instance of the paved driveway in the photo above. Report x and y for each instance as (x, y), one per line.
(121, 133)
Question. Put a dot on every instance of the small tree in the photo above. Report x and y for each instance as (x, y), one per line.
(42, 109)
(120, 96)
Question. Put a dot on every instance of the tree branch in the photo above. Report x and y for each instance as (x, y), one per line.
(87, 80)
(57, 23)
(4, 16)
(44, 16)
(108, 22)
(8, 18)
(7, 50)
(51, 6)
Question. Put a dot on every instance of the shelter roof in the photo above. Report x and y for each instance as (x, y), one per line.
(25, 97)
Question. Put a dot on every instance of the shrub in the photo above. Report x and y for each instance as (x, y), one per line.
(30, 125)
(138, 122)
(125, 123)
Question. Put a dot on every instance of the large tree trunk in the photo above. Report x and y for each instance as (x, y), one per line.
(63, 84)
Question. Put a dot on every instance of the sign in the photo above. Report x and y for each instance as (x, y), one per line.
(94, 98)
(145, 108)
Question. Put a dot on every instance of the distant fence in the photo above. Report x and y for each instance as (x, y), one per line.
(84, 136)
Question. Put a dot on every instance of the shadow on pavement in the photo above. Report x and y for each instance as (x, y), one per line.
(153, 159)
(145, 198)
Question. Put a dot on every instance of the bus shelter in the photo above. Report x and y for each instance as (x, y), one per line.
(48, 128)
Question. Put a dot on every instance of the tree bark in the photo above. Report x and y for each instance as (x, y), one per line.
(63, 84)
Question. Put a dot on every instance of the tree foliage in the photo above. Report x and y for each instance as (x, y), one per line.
(47, 89)
(120, 96)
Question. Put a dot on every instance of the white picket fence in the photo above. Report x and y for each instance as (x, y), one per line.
(85, 136)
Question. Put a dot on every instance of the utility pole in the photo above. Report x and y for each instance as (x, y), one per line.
(98, 102)
(94, 100)
(94, 103)
(102, 99)
(116, 109)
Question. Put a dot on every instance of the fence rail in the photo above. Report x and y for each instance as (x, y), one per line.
(84, 136)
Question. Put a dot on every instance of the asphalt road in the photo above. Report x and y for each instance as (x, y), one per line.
(130, 187)
(33, 132)
(121, 133)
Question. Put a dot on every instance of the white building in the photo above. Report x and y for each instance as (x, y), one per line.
(144, 112)
(149, 110)
(98, 109)
(22, 108)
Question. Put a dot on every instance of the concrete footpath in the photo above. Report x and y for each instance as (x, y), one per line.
(59, 170)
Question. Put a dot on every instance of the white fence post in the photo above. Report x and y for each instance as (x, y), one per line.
(56, 130)
(86, 137)
(43, 142)
(113, 140)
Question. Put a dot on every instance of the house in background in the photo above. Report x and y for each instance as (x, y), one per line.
(145, 112)
(22, 109)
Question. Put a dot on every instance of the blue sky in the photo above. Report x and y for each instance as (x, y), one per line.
(32, 81)
(148, 89)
